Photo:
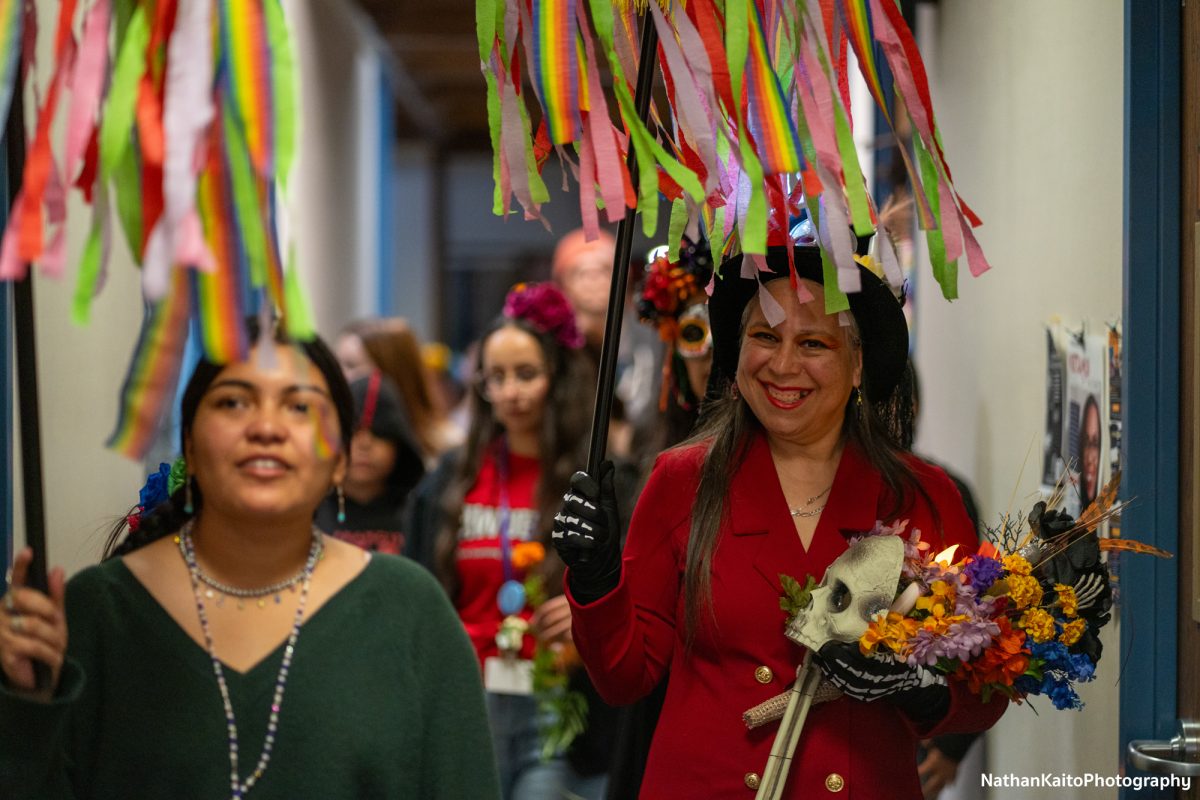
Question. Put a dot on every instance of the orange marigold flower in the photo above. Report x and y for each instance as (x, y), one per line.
(892, 632)
(1072, 631)
(1067, 599)
(1002, 663)
(1038, 624)
(1016, 564)
(1024, 590)
(527, 554)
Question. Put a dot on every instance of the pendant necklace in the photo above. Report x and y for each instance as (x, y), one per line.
(805, 511)
(238, 787)
(511, 596)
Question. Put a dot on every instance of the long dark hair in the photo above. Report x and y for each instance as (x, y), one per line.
(560, 450)
(169, 515)
(726, 429)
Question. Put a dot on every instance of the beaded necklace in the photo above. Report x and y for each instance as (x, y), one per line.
(242, 595)
(239, 788)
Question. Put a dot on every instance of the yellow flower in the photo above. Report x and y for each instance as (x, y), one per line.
(939, 625)
(1067, 599)
(1024, 590)
(892, 632)
(1038, 624)
(1017, 565)
(1072, 631)
(940, 599)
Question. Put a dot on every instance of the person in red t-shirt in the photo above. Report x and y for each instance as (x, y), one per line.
(477, 518)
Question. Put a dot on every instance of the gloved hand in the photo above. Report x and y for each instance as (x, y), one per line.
(920, 693)
(587, 535)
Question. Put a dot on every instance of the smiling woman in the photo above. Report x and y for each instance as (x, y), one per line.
(284, 632)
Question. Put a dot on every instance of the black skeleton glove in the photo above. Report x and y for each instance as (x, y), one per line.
(920, 693)
(587, 535)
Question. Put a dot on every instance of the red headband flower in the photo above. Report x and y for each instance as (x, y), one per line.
(547, 309)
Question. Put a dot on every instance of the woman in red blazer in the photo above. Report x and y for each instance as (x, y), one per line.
(798, 452)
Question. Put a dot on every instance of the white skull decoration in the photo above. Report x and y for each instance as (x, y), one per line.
(860, 583)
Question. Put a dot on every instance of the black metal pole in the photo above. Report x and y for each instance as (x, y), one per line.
(27, 385)
(620, 277)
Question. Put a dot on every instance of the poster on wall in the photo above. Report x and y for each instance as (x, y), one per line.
(1052, 454)
(1085, 419)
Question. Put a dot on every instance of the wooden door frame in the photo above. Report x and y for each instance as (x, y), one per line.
(1151, 370)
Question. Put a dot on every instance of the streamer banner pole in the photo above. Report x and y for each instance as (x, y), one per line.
(620, 275)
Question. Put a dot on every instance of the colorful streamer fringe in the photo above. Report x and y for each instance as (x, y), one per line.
(183, 115)
(759, 118)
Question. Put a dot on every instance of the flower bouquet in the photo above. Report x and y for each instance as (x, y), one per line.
(1022, 616)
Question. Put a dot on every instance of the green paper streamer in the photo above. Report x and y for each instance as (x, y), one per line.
(122, 95)
(283, 87)
(856, 190)
(298, 317)
(679, 220)
(737, 47)
(493, 110)
(754, 223)
(128, 187)
(485, 27)
(835, 299)
(89, 270)
(946, 274)
(245, 201)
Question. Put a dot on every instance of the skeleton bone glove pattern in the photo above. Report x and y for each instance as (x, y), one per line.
(919, 692)
(586, 534)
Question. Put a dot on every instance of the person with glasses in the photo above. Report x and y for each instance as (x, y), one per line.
(481, 520)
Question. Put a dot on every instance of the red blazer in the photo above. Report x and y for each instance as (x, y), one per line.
(630, 638)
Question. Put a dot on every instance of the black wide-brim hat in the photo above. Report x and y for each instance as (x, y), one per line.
(879, 315)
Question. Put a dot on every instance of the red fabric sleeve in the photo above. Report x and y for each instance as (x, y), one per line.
(627, 637)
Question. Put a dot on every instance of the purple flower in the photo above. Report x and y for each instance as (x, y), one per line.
(962, 640)
(983, 571)
(546, 308)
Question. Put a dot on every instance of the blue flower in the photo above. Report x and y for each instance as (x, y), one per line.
(155, 490)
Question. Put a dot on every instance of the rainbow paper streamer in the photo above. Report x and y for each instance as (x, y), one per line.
(220, 306)
(768, 115)
(325, 442)
(150, 383)
(555, 67)
(10, 50)
(247, 60)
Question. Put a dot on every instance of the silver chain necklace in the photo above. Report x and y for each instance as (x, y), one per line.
(238, 787)
(242, 595)
(802, 512)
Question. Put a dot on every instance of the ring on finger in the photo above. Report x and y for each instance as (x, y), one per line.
(16, 622)
(10, 602)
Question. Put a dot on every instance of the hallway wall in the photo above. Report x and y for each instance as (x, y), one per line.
(1030, 104)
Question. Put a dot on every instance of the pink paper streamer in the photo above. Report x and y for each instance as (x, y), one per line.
(587, 188)
(87, 83)
(187, 112)
(689, 108)
(771, 308)
(609, 169)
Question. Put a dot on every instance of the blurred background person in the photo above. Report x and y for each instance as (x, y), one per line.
(391, 346)
(481, 522)
(385, 464)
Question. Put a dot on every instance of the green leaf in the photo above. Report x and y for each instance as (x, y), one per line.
(796, 597)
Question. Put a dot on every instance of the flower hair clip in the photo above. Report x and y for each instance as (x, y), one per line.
(546, 308)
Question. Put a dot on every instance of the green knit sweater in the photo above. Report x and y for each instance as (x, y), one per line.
(384, 700)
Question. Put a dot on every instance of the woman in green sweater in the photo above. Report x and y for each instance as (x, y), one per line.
(225, 647)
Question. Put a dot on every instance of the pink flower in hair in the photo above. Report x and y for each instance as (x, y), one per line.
(547, 309)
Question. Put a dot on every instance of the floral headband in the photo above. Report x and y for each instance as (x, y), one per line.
(159, 487)
(546, 308)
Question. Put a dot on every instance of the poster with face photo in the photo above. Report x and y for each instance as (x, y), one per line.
(1085, 423)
